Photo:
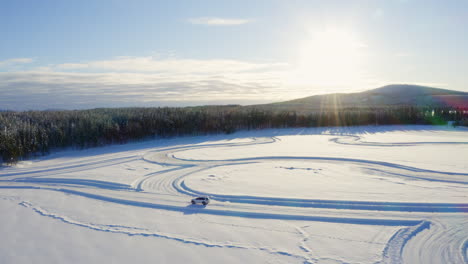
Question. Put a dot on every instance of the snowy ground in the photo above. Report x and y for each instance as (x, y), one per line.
(395, 194)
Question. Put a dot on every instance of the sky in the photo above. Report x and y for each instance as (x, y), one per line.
(117, 53)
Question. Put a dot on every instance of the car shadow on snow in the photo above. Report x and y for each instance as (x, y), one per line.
(193, 208)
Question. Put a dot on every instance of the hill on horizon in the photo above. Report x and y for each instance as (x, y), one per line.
(387, 96)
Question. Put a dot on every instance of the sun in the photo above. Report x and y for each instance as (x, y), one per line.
(328, 58)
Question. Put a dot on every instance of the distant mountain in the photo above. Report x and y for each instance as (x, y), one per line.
(386, 96)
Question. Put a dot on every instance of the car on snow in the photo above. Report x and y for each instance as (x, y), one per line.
(201, 200)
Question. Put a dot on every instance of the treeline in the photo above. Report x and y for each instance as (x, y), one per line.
(31, 133)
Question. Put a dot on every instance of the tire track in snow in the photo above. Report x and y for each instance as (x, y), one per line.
(444, 242)
(393, 251)
(165, 157)
(76, 182)
(73, 168)
(357, 141)
(139, 183)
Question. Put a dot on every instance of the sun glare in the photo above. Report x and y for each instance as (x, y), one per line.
(328, 58)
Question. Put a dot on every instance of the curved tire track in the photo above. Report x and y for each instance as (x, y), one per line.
(357, 141)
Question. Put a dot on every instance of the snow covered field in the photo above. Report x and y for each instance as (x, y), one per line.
(391, 194)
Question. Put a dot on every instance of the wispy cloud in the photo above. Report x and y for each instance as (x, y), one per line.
(42, 90)
(72, 66)
(172, 65)
(218, 21)
(15, 61)
(142, 81)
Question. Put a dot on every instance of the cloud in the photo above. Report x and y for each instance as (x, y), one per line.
(141, 81)
(58, 90)
(217, 21)
(15, 61)
(72, 66)
(172, 65)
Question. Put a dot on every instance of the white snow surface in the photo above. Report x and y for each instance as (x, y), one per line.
(384, 194)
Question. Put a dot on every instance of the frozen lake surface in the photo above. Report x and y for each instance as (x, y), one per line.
(385, 194)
